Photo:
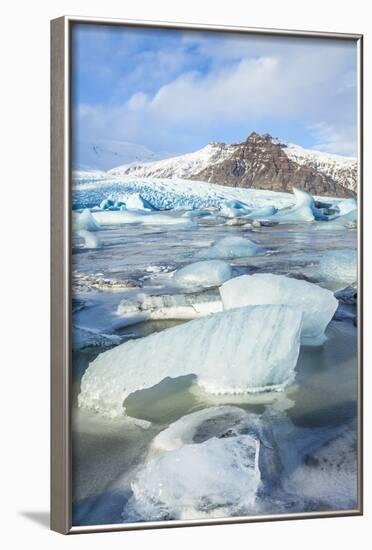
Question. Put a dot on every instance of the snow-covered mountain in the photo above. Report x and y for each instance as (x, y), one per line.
(103, 155)
(342, 169)
(260, 162)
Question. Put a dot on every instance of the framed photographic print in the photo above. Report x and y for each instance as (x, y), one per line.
(206, 274)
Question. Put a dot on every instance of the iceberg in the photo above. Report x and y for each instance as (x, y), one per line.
(318, 305)
(247, 349)
(203, 274)
(263, 212)
(346, 205)
(168, 306)
(90, 239)
(337, 267)
(85, 221)
(230, 248)
(223, 480)
(302, 211)
(233, 209)
(135, 201)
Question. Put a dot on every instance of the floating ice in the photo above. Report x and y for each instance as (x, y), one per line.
(202, 274)
(302, 211)
(109, 217)
(134, 201)
(216, 478)
(346, 205)
(230, 248)
(106, 203)
(201, 425)
(235, 351)
(233, 209)
(317, 304)
(337, 267)
(176, 306)
(90, 239)
(85, 221)
(86, 338)
(264, 212)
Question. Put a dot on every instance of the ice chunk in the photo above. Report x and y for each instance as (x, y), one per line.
(317, 304)
(302, 211)
(109, 217)
(346, 205)
(85, 221)
(86, 338)
(230, 248)
(106, 203)
(263, 212)
(134, 201)
(216, 478)
(337, 267)
(241, 350)
(202, 274)
(201, 425)
(176, 306)
(90, 239)
(233, 209)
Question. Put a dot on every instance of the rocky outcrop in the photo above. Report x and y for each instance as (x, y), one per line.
(262, 163)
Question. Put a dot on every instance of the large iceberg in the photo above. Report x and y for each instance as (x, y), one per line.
(230, 248)
(317, 304)
(203, 274)
(167, 306)
(240, 350)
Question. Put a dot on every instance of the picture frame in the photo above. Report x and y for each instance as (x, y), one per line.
(61, 272)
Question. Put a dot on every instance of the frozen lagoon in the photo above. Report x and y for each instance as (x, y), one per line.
(311, 419)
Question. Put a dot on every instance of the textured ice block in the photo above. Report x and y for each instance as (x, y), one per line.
(317, 304)
(302, 211)
(85, 221)
(338, 267)
(241, 350)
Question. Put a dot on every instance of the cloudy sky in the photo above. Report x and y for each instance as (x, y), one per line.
(174, 91)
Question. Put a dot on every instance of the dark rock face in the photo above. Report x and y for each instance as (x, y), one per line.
(259, 163)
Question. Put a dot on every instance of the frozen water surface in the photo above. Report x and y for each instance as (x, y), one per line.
(307, 430)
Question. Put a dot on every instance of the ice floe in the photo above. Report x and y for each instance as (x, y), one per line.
(119, 217)
(91, 240)
(169, 306)
(317, 304)
(85, 221)
(202, 274)
(230, 248)
(86, 338)
(235, 351)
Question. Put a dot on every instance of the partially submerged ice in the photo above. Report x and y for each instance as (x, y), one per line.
(85, 221)
(202, 274)
(86, 338)
(230, 248)
(169, 306)
(248, 349)
(119, 217)
(222, 481)
(210, 440)
(338, 268)
(90, 239)
(317, 304)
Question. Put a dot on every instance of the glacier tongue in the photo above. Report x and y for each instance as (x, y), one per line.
(317, 304)
(240, 350)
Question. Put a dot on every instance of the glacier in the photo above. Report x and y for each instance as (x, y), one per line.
(202, 274)
(318, 305)
(247, 349)
(230, 248)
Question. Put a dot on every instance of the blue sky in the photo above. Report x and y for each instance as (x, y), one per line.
(174, 91)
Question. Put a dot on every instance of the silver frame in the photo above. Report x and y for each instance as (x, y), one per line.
(61, 483)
